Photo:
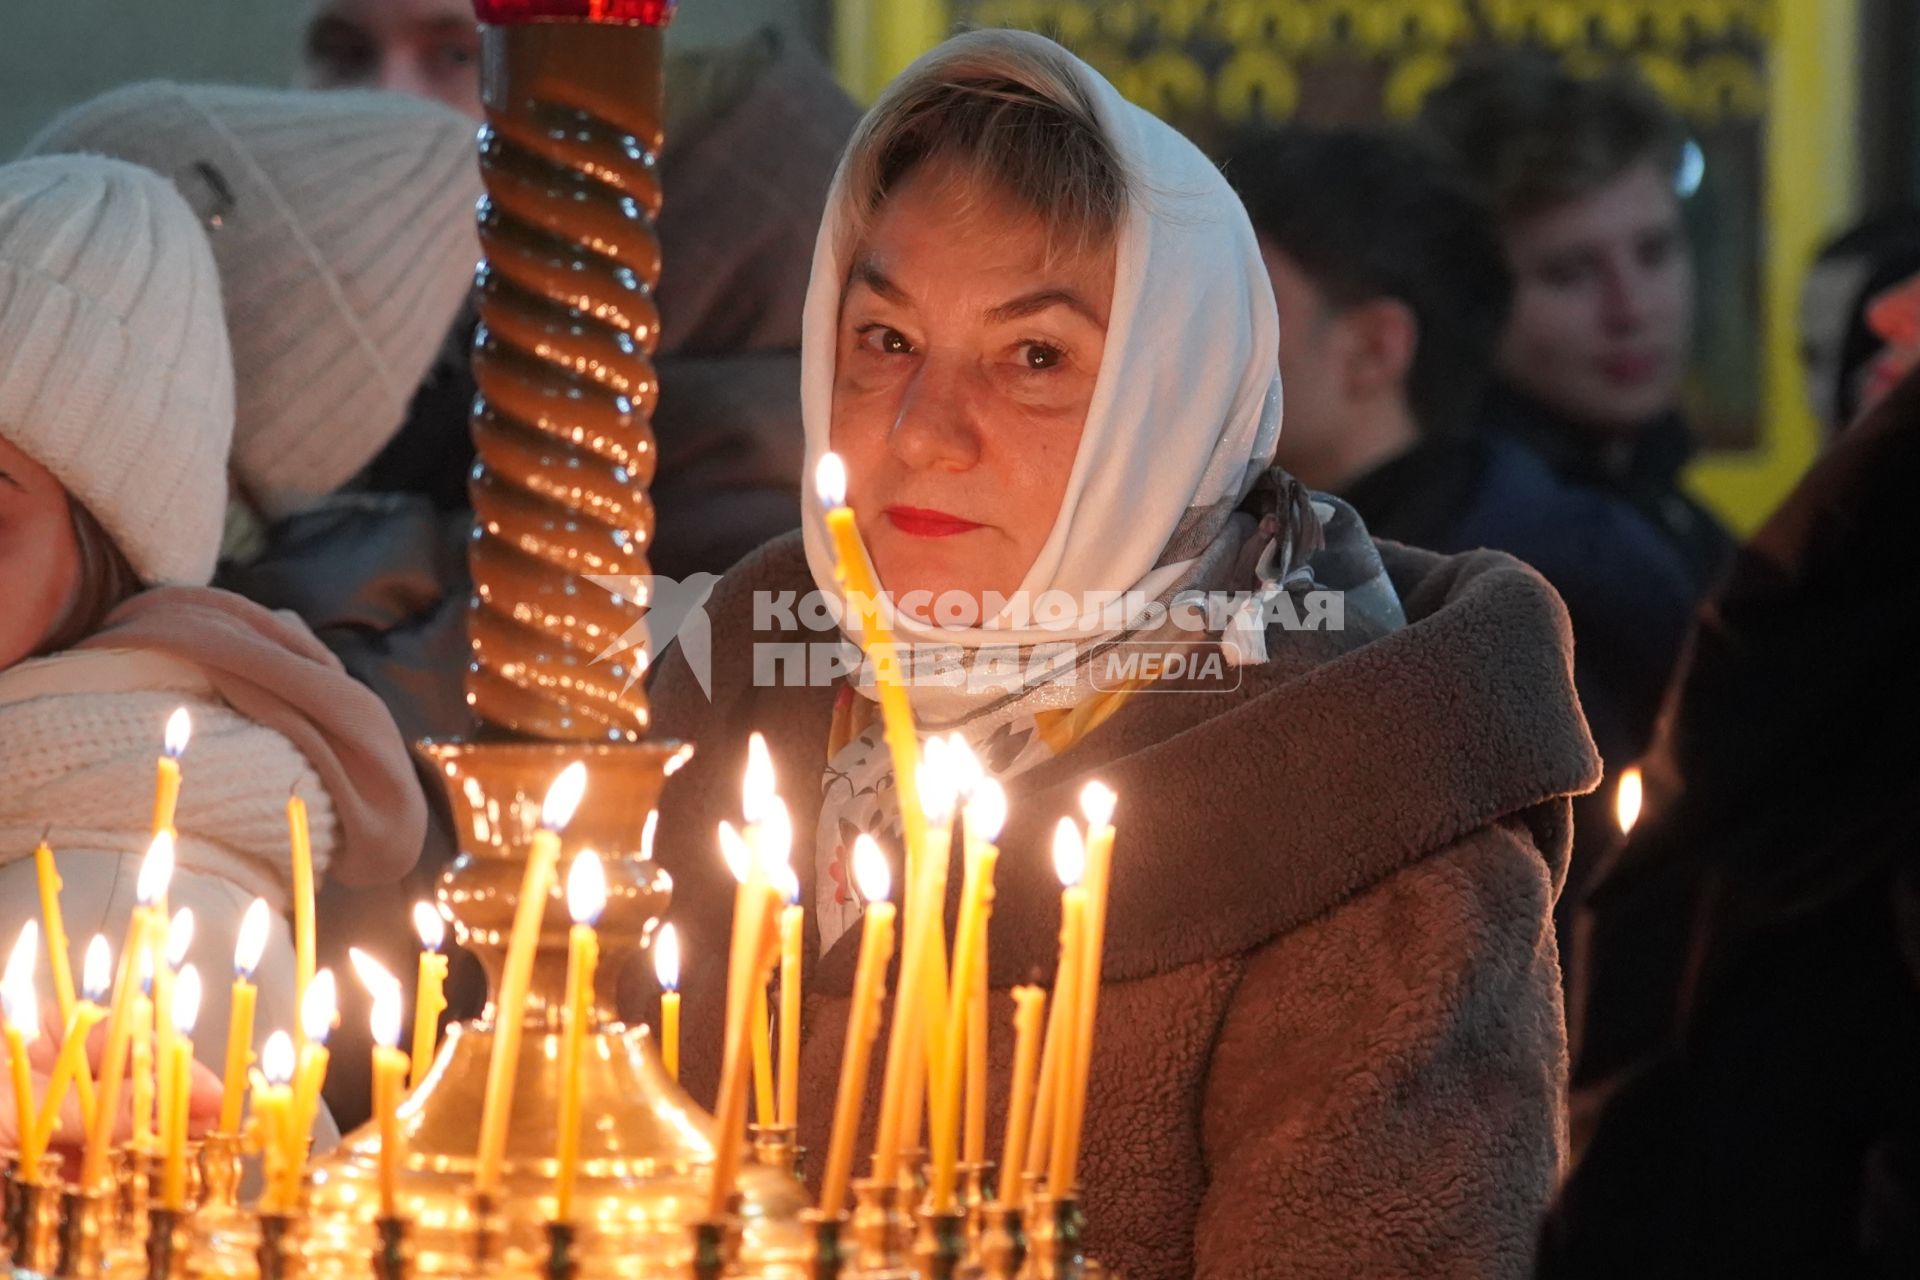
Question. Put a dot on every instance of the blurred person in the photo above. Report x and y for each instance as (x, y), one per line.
(116, 418)
(1393, 290)
(1581, 173)
(1894, 317)
(1745, 976)
(1839, 345)
(426, 48)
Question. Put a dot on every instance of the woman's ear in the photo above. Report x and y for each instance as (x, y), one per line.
(1383, 335)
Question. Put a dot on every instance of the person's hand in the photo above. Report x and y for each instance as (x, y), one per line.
(203, 1097)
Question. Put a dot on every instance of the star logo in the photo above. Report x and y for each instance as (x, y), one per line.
(676, 610)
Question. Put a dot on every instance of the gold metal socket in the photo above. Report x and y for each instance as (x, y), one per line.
(391, 1259)
(86, 1225)
(830, 1252)
(1003, 1241)
(277, 1257)
(36, 1225)
(940, 1248)
(166, 1244)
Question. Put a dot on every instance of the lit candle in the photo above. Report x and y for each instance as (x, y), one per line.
(169, 952)
(855, 573)
(751, 956)
(318, 1013)
(985, 814)
(543, 858)
(1029, 1004)
(941, 772)
(272, 1101)
(58, 961)
(1626, 799)
(430, 988)
(792, 922)
(1096, 803)
(872, 878)
(916, 1000)
(666, 967)
(586, 899)
(761, 807)
(173, 1107)
(389, 1069)
(156, 870)
(300, 839)
(1070, 863)
(166, 785)
(22, 1009)
(246, 957)
(70, 1070)
(143, 1067)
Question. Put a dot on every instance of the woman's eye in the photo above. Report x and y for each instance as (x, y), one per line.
(884, 341)
(1040, 355)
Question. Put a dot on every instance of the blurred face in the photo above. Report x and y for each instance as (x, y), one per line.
(1603, 310)
(1311, 357)
(39, 556)
(426, 48)
(964, 365)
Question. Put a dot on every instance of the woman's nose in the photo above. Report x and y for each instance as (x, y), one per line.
(934, 429)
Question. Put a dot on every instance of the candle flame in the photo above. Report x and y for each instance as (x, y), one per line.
(1069, 853)
(987, 810)
(787, 883)
(586, 887)
(186, 1000)
(179, 936)
(757, 788)
(938, 783)
(179, 732)
(318, 1010)
(830, 480)
(372, 974)
(156, 870)
(871, 874)
(428, 923)
(252, 942)
(666, 957)
(96, 971)
(16, 985)
(25, 947)
(1626, 799)
(678, 760)
(967, 770)
(386, 1017)
(563, 797)
(647, 831)
(734, 848)
(143, 969)
(1097, 802)
(776, 840)
(276, 1058)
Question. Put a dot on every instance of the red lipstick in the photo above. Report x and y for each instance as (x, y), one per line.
(918, 522)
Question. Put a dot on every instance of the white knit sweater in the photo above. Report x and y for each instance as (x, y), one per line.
(79, 736)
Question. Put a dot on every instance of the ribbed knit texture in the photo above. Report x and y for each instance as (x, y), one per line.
(114, 367)
(343, 226)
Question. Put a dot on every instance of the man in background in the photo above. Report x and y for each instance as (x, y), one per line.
(1394, 291)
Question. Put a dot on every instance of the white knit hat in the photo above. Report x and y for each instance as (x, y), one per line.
(114, 368)
(344, 228)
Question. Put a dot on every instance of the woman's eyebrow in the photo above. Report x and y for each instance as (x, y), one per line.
(866, 273)
(1032, 303)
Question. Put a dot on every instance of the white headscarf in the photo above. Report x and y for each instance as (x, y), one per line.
(1186, 409)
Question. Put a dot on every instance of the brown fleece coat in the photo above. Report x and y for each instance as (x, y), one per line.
(1330, 1038)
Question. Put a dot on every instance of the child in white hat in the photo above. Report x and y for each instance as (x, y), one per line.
(116, 412)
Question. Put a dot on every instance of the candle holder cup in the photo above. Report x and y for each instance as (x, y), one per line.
(392, 1259)
(940, 1248)
(36, 1226)
(829, 1255)
(1003, 1241)
(86, 1229)
(166, 1244)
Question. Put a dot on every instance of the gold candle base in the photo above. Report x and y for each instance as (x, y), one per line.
(775, 1147)
(941, 1246)
(975, 1177)
(35, 1231)
(880, 1231)
(1003, 1241)
(86, 1226)
(390, 1259)
(222, 1237)
(1054, 1251)
(276, 1257)
(829, 1248)
(166, 1244)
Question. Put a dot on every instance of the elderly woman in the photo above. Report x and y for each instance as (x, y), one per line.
(1330, 1038)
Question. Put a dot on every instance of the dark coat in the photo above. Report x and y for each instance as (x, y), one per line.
(1629, 593)
(1745, 976)
(1330, 1035)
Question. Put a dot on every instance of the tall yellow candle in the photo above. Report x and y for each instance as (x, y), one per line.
(70, 1070)
(1096, 803)
(156, 869)
(586, 899)
(22, 1011)
(142, 1067)
(985, 814)
(430, 987)
(173, 1108)
(762, 1047)
(169, 952)
(389, 1079)
(59, 963)
(246, 958)
(792, 924)
(543, 858)
(1029, 1005)
(166, 783)
(272, 1101)
(1070, 862)
(300, 842)
(317, 1017)
(666, 967)
(751, 956)
(856, 576)
(974, 1149)
(872, 877)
